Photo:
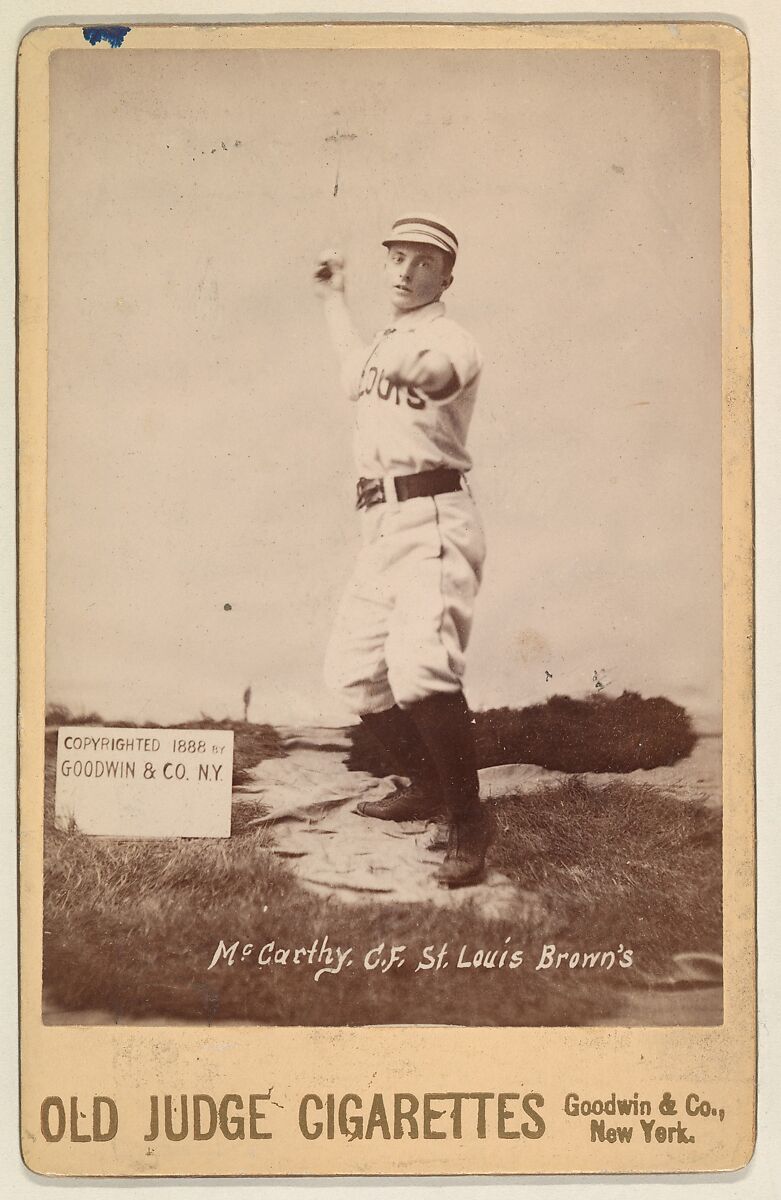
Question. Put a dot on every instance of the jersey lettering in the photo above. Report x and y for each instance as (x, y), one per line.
(366, 387)
(374, 381)
(385, 387)
(415, 399)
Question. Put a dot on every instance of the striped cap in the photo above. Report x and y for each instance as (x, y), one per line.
(423, 228)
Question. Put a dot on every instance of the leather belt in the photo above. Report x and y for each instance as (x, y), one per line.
(408, 487)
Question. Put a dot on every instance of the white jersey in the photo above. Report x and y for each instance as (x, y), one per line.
(400, 430)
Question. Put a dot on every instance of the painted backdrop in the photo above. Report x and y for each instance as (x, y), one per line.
(200, 486)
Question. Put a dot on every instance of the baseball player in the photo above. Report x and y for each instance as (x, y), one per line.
(396, 654)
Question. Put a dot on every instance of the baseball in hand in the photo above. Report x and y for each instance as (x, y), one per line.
(330, 271)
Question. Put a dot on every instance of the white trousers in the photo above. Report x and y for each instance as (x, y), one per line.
(404, 621)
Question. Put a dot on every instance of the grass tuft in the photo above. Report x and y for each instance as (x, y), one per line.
(623, 862)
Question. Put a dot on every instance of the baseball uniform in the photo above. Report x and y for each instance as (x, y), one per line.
(403, 624)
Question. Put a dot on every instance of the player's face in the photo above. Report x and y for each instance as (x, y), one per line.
(416, 274)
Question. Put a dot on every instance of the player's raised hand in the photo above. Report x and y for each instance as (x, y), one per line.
(329, 273)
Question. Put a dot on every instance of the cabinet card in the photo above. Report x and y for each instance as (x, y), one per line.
(475, 893)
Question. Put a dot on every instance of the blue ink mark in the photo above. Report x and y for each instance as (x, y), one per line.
(113, 34)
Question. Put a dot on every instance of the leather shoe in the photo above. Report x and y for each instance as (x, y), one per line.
(466, 849)
(408, 804)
